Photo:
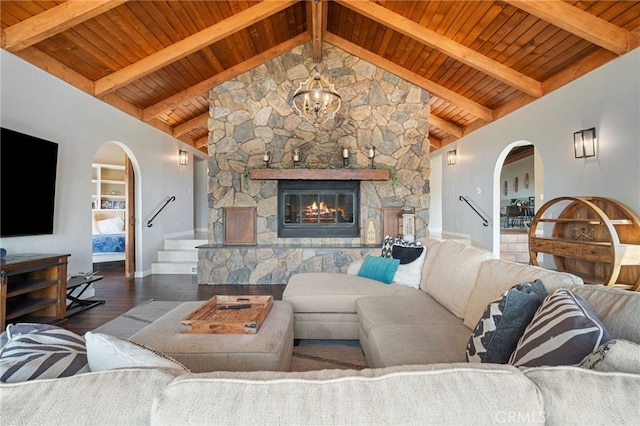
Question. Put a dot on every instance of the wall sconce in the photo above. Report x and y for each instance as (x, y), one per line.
(452, 157)
(584, 143)
(183, 157)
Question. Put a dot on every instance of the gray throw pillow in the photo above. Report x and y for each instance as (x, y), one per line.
(616, 355)
(503, 322)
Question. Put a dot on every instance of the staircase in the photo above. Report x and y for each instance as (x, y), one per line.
(179, 256)
(514, 246)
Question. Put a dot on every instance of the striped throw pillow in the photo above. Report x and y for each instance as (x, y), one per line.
(39, 351)
(562, 332)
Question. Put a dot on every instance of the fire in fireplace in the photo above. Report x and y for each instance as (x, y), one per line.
(316, 209)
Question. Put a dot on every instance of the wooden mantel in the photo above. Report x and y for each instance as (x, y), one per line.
(320, 174)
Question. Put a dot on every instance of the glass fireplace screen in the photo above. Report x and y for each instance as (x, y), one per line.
(318, 208)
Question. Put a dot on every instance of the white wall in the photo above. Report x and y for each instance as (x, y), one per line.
(607, 98)
(39, 104)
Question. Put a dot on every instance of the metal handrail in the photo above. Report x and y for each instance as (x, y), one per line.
(172, 198)
(485, 222)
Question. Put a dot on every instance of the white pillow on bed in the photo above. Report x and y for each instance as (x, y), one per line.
(110, 226)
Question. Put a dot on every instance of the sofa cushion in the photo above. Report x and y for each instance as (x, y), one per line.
(562, 332)
(451, 279)
(116, 397)
(407, 395)
(615, 355)
(107, 352)
(334, 292)
(577, 396)
(399, 344)
(40, 351)
(504, 320)
(616, 308)
(497, 276)
(417, 309)
(379, 268)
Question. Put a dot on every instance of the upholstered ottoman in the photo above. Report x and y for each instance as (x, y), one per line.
(269, 349)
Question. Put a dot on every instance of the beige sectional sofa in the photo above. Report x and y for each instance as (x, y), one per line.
(399, 325)
(416, 336)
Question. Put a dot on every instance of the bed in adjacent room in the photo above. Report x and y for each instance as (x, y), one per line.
(108, 239)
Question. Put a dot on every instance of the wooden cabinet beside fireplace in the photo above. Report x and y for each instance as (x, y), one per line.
(34, 288)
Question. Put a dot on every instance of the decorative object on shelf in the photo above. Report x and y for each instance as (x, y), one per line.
(345, 157)
(296, 158)
(452, 157)
(183, 157)
(372, 155)
(584, 143)
(583, 233)
(526, 181)
(266, 158)
(316, 100)
(408, 223)
(515, 184)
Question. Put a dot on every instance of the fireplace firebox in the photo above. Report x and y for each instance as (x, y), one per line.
(317, 209)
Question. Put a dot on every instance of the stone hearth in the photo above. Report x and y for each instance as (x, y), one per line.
(252, 113)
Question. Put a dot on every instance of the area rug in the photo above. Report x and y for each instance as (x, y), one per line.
(307, 354)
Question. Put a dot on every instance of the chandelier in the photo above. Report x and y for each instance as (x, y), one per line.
(316, 100)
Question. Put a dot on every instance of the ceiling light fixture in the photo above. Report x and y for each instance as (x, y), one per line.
(316, 100)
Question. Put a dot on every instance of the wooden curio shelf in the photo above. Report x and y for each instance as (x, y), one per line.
(595, 238)
(320, 174)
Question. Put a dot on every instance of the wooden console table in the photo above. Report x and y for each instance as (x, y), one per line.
(34, 288)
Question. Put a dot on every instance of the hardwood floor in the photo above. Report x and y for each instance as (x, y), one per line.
(121, 294)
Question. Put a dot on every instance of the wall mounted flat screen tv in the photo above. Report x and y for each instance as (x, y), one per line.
(27, 184)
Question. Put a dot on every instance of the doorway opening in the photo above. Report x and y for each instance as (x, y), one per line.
(518, 181)
(112, 210)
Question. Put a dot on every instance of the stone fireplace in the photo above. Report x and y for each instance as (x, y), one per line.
(318, 209)
(251, 114)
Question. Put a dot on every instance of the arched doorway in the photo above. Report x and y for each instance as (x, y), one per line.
(518, 184)
(113, 209)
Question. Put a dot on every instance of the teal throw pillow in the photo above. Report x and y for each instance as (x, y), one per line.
(379, 268)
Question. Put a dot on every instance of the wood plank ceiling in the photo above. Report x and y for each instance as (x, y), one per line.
(480, 60)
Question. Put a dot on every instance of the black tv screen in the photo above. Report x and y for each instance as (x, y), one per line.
(27, 184)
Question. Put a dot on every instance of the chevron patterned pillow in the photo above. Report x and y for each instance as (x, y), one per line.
(503, 322)
(563, 331)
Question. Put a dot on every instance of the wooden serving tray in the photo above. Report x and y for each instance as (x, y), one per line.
(220, 315)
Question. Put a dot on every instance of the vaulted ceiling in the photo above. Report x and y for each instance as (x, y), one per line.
(480, 60)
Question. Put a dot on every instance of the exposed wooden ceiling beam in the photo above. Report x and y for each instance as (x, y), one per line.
(54, 21)
(317, 16)
(445, 125)
(202, 142)
(580, 68)
(189, 45)
(444, 44)
(199, 121)
(434, 88)
(578, 22)
(40, 59)
(203, 87)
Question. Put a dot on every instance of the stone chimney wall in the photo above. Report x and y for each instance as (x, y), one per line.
(253, 113)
